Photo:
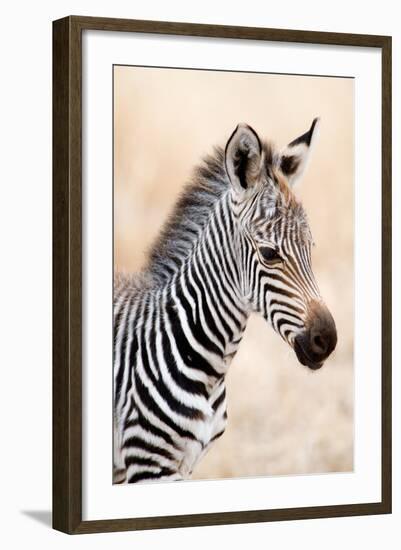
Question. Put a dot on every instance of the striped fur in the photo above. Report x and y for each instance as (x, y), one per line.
(237, 241)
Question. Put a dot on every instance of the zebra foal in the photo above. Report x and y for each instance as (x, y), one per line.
(238, 241)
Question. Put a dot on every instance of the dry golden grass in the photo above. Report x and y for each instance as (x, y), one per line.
(283, 418)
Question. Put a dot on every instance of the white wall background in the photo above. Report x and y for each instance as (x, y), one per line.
(25, 286)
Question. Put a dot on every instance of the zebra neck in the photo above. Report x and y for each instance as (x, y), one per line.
(206, 294)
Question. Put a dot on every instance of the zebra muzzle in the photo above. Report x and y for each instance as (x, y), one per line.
(314, 345)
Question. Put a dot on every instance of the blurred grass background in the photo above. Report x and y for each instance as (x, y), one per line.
(282, 418)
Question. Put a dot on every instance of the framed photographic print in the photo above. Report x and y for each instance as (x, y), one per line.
(222, 274)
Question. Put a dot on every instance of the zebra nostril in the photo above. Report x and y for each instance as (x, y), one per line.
(319, 344)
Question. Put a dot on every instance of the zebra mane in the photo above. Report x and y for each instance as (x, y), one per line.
(189, 216)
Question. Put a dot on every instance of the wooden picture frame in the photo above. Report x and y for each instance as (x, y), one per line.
(67, 273)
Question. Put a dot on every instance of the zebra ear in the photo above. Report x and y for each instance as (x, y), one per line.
(294, 158)
(243, 158)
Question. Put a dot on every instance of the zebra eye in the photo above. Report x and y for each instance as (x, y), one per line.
(269, 255)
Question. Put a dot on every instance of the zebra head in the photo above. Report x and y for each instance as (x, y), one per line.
(275, 242)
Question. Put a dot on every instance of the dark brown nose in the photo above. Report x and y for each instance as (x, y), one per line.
(319, 339)
(323, 339)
